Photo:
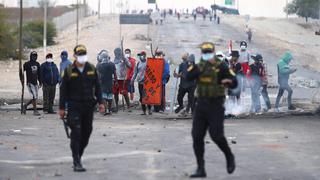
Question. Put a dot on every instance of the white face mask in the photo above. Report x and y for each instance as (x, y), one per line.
(82, 59)
(127, 55)
(243, 48)
(49, 60)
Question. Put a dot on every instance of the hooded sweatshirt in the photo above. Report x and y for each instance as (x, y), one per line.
(122, 64)
(106, 70)
(65, 62)
(183, 69)
(284, 69)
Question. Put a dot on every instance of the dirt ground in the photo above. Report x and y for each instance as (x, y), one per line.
(128, 146)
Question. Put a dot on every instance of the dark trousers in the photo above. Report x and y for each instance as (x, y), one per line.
(209, 115)
(142, 94)
(49, 93)
(265, 96)
(80, 117)
(162, 107)
(182, 92)
(282, 88)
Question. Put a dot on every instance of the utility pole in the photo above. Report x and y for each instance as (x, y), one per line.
(99, 6)
(85, 8)
(45, 28)
(77, 38)
(21, 75)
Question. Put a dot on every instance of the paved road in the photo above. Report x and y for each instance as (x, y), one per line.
(128, 146)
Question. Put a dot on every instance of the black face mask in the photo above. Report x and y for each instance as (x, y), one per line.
(33, 57)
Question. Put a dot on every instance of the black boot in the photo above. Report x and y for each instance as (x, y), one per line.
(200, 172)
(77, 166)
(231, 164)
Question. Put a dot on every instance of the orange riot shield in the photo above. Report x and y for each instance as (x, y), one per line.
(153, 81)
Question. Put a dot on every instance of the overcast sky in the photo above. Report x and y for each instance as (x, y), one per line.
(268, 8)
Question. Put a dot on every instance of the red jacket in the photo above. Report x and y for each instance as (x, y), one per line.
(130, 71)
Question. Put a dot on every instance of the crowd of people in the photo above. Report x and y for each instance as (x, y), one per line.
(84, 85)
(251, 72)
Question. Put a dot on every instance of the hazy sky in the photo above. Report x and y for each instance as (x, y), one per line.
(269, 8)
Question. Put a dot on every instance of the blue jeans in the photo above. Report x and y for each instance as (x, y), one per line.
(282, 88)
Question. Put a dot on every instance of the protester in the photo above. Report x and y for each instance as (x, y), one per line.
(80, 86)
(185, 85)
(139, 75)
(234, 94)
(256, 70)
(107, 75)
(65, 62)
(284, 72)
(32, 69)
(50, 78)
(165, 80)
(264, 82)
(212, 76)
(122, 65)
(244, 59)
(130, 73)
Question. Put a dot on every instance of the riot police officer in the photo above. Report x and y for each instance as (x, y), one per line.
(212, 76)
(80, 90)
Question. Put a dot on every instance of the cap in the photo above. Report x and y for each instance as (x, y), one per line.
(243, 43)
(257, 57)
(235, 54)
(220, 54)
(49, 55)
(142, 53)
(159, 53)
(207, 47)
(80, 50)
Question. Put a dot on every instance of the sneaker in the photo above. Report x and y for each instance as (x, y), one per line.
(276, 110)
(150, 112)
(178, 109)
(143, 114)
(291, 108)
(36, 113)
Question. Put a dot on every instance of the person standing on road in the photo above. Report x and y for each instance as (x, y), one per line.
(139, 74)
(65, 62)
(122, 65)
(165, 80)
(235, 94)
(32, 69)
(50, 78)
(212, 76)
(107, 75)
(264, 82)
(244, 59)
(256, 70)
(130, 73)
(81, 88)
(284, 72)
(185, 86)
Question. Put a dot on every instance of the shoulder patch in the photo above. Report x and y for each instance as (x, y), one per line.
(62, 74)
(231, 72)
(74, 74)
(190, 68)
(90, 73)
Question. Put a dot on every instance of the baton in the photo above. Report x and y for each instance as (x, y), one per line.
(66, 127)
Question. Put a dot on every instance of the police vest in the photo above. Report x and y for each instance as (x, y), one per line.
(207, 85)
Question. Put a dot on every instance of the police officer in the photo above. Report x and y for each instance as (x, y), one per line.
(212, 76)
(80, 90)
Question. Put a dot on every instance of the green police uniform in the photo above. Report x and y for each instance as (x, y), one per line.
(209, 108)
